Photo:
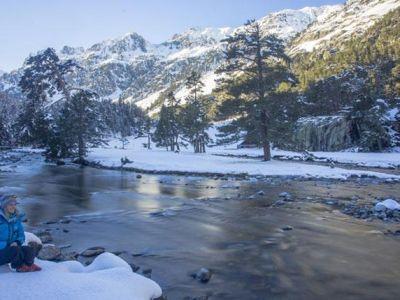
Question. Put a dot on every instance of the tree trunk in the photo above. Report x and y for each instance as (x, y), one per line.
(177, 144)
(81, 148)
(264, 135)
(267, 150)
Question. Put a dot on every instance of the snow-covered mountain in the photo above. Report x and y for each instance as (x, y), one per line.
(286, 24)
(135, 70)
(132, 68)
(341, 23)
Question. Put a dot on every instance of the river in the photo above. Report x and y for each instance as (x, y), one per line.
(175, 225)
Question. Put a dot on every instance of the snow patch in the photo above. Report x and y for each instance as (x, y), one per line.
(107, 277)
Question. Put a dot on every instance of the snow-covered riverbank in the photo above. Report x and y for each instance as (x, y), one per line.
(186, 161)
(372, 159)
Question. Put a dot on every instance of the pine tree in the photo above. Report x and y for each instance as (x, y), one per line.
(262, 63)
(33, 125)
(43, 77)
(194, 120)
(124, 124)
(147, 130)
(5, 138)
(79, 125)
(168, 127)
(5, 128)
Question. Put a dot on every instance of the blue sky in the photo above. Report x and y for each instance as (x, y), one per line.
(27, 26)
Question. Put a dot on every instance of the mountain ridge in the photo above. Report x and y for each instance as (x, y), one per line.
(133, 69)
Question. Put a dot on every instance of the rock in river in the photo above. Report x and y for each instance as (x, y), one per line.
(49, 252)
(203, 275)
(93, 251)
(287, 228)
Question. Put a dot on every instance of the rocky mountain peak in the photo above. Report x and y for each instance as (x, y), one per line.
(197, 36)
(122, 48)
(342, 23)
(287, 23)
(71, 51)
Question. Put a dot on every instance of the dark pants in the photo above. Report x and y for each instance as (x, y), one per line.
(17, 256)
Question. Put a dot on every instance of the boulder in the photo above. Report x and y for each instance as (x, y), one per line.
(49, 252)
(44, 236)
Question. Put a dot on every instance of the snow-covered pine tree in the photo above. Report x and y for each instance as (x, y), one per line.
(193, 117)
(43, 77)
(261, 62)
(33, 125)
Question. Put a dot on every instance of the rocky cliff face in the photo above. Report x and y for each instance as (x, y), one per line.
(335, 133)
(323, 133)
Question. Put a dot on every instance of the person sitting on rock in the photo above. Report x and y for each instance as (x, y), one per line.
(12, 238)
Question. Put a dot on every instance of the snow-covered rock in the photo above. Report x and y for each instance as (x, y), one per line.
(107, 277)
(31, 238)
(387, 204)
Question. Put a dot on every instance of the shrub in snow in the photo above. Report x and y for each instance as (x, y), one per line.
(108, 277)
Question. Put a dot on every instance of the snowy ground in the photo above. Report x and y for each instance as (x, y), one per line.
(381, 160)
(107, 277)
(186, 161)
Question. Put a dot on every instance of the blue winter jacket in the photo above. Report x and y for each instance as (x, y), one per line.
(11, 230)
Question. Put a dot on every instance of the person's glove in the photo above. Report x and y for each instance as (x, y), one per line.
(14, 244)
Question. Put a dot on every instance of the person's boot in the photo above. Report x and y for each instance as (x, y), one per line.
(23, 269)
(35, 268)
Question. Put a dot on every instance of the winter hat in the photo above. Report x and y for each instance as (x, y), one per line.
(6, 200)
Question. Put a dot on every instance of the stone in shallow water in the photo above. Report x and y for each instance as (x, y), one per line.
(287, 228)
(49, 252)
(44, 236)
(93, 251)
(203, 275)
(146, 272)
(284, 194)
(134, 267)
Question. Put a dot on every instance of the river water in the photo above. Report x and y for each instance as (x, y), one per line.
(175, 225)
